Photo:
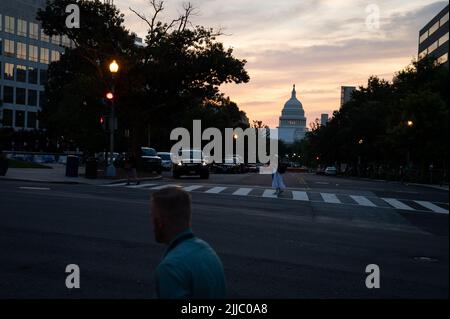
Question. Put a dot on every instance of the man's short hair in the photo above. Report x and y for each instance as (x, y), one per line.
(174, 204)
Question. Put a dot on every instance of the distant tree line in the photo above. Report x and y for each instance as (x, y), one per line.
(395, 130)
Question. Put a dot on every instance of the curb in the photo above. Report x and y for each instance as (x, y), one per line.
(40, 181)
(74, 182)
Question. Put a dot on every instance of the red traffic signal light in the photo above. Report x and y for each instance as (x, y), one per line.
(109, 95)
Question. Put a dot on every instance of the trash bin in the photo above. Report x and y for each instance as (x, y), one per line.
(91, 168)
(72, 166)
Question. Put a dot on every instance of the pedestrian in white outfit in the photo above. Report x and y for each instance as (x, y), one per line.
(277, 180)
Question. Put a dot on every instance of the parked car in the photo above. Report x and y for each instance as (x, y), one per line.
(190, 162)
(149, 160)
(166, 160)
(320, 171)
(231, 164)
(331, 171)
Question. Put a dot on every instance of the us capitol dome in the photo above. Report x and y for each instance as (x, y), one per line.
(292, 125)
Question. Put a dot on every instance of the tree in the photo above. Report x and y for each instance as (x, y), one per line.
(371, 130)
(159, 87)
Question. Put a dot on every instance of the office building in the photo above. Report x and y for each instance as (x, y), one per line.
(346, 93)
(433, 38)
(323, 119)
(25, 54)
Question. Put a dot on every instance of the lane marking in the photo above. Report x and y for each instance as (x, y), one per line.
(296, 195)
(164, 186)
(216, 190)
(363, 201)
(432, 207)
(140, 186)
(192, 188)
(269, 193)
(397, 204)
(243, 191)
(35, 188)
(330, 198)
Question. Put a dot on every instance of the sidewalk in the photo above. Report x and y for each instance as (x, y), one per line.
(57, 174)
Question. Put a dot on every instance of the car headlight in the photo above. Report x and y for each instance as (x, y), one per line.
(204, 163)
(180, 164)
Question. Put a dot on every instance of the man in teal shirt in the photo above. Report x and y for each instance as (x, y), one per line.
(190, 268)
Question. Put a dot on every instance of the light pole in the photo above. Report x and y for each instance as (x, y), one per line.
(410, 124)
(111, 170)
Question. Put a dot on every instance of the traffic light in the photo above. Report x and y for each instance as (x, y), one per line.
(102, 122)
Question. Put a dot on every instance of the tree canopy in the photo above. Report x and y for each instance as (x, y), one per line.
(403, 123)
(174, 78)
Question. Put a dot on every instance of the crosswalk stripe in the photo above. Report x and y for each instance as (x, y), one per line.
(330, 198)
(296, 195)
(192, 188)
(269, 193)
(243, 191)
(163, 186)
(432, 207)
(397, 204)
(215, 190)
(140, 186)
(363, 201)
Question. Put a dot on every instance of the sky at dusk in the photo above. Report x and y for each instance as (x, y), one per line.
(317, 44)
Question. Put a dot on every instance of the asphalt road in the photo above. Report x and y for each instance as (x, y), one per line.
(270, 248)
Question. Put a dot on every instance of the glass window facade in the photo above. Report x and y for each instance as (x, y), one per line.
(9, 24)
(32, 97)
(31, 120)
(20, 96)
(7, 117)
(21, 27)
(33, 53)
(20, 119)
(55, 56)
(32, 75)
(21, 73)
(9, 48)
(9, 72)
(42, 76)
(8, 94)
(433, 28)
(44, 37)
(44, 58)
(34, 31)
(444, 19)
(443, 39)
(21, 50)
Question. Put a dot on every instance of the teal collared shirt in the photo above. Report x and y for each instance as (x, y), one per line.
(190, 269)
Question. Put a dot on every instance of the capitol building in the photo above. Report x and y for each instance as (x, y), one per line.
(292, 126)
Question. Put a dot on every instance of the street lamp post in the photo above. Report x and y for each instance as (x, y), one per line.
(111, 170)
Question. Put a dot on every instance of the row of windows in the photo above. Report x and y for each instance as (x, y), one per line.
(35, 54)
(434, 46)
(443, 58)
(434, 28)
(19, 118)
(22, 96)
(31, 30)
(24, 74)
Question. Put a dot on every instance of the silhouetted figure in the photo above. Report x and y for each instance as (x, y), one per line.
(190, 267)
(130, 168)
